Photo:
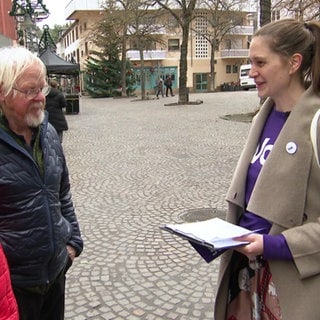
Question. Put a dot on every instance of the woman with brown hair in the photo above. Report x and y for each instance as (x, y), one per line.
(275, 187)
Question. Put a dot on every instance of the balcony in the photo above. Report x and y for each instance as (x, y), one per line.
(242, 30)
(234, 53)
(134, 55)
(75, 5)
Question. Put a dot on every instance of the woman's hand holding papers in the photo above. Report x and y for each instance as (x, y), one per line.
(255, 246)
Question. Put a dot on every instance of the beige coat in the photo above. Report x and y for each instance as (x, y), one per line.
(287, 193)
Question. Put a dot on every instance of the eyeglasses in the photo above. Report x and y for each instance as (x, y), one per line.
(32, 93)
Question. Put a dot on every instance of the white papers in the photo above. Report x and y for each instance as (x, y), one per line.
(214, 233)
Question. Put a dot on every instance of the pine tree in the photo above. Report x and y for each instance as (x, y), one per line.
(103, 76)
(103, 68)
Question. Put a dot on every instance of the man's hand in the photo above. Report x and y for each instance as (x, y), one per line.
(71, 252)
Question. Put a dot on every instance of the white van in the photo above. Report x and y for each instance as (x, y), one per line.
(246, 82)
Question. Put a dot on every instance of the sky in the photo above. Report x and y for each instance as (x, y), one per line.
(56, 16)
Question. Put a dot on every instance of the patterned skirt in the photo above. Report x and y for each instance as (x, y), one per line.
(252, 294)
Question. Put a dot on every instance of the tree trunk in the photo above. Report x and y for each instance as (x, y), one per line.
(212, 68)
(265, 12)
(183, 91)
(124, 70)
(124, 65)
(142, 75)
(184, 19)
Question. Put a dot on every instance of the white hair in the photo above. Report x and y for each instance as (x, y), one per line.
(13, 62)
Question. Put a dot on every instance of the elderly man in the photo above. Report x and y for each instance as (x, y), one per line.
(39, 230)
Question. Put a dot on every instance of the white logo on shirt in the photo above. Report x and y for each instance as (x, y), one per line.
(265, 149)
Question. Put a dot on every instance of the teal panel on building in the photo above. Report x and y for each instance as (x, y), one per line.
(153, 75)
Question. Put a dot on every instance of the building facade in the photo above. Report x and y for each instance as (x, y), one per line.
(8, 35)
(163, 59)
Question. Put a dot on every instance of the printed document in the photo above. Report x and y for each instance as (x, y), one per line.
(215, 233)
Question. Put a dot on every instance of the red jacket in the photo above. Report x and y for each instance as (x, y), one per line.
(8, 304)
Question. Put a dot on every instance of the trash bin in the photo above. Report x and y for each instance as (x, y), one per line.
(72, 104)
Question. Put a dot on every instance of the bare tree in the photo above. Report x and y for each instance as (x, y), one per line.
(135, 24)
(144, 31)
(116, 11)
(183, 13)
(221, 19)
(302, 10)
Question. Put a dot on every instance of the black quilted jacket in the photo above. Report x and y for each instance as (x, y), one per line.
(37, 218)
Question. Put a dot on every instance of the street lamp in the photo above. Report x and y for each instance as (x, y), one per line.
(27, 13)
(35, 9)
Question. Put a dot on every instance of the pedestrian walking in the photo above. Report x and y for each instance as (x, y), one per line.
(39, 230)
(160, 88)
(275, 189)
(168, 84)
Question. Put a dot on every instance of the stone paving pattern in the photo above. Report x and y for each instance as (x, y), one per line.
(137, 165)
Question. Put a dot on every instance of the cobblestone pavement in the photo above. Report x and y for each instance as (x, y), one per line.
(134, 166)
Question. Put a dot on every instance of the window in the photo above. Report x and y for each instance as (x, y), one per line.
(133, 45)
(147, 20)
(173, 44)
(228, 68)
(227, 44)
(172, 23)
(275, 15)
(234, 68)
(148, 45)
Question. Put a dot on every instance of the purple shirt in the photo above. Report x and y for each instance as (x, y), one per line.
(275, 246)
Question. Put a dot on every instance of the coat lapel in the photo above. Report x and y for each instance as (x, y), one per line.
(236, 192)
(273, 196)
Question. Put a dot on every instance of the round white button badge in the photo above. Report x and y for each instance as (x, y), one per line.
(291, 147)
